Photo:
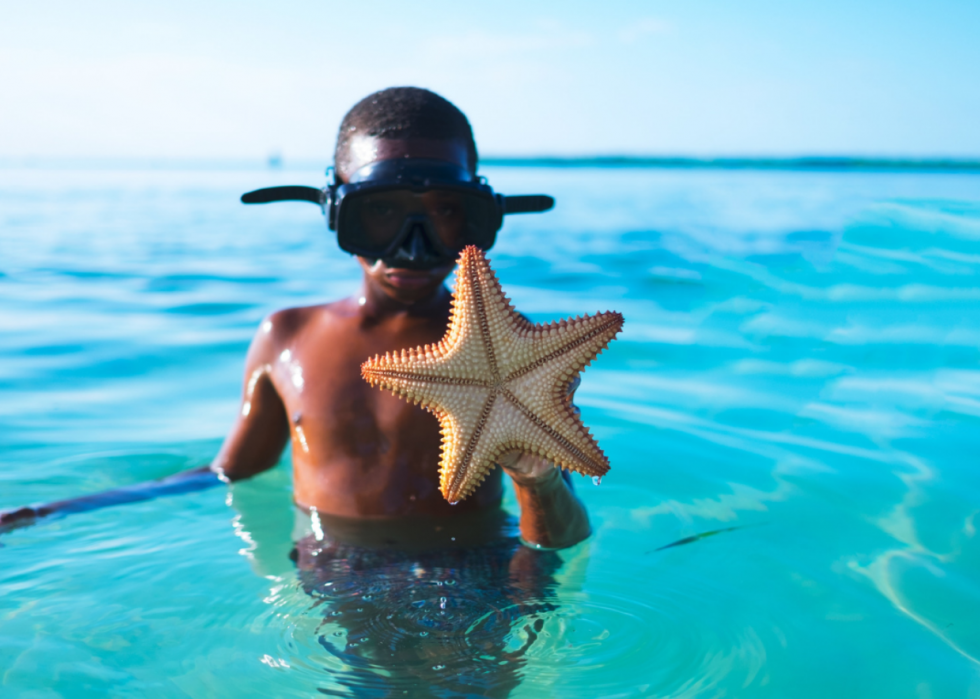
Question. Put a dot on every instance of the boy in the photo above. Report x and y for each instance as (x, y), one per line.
(426, 592)
(360, 455)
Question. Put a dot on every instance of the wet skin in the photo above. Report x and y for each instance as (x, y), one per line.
(368, 463)
(359, 452)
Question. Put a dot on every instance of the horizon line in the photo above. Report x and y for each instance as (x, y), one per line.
(839, 163)
(806, 162)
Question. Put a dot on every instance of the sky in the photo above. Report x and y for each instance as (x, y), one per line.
(218, 79)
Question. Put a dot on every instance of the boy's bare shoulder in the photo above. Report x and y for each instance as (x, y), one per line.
(287, 331)
(284, 324)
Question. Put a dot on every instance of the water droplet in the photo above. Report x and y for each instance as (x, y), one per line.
(438, 667)
(423, 633)
(596, 480)
(442, 603)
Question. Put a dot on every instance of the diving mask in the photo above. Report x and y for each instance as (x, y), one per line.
(413, 212)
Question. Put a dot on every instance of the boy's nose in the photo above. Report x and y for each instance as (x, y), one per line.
(416, 251)
(416, 245)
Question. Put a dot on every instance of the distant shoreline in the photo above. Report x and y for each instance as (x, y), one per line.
(807, 163)
(608, 162)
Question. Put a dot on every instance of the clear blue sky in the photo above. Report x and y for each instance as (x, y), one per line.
(221, 79)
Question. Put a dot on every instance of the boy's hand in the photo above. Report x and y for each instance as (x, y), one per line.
(525, 469)
(528, 469)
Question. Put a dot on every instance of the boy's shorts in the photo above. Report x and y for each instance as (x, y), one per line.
(460, 619)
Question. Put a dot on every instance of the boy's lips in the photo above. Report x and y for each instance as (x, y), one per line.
(409, 278)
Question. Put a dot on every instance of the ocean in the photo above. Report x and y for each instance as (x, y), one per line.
(792, 415)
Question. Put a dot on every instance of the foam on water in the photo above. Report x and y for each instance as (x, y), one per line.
(799, 375)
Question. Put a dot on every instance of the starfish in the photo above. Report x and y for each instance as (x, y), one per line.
(498, 382)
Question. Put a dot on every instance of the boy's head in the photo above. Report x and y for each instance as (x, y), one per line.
(406, 198)
(405, 122)
(401, 114)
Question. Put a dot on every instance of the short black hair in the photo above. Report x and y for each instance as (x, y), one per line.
(405, 112)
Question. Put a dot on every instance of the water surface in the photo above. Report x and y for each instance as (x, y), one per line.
(800, 368)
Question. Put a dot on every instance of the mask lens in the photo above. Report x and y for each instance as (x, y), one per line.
(447, 214)
(461, 218)
(378, 218)
(370, 223)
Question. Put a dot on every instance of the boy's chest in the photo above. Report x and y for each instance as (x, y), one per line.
(358, 450)
(319, 380)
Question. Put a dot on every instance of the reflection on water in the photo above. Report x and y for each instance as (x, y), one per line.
(447, 621)
(425, 606)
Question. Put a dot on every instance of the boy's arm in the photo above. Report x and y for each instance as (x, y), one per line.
(261, 430)
(551, 515)
(253, 445)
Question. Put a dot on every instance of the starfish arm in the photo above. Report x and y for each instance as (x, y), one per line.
(435, 393)
(557, 434)
(455, 360)
(569, 344)
(469, 449)
(539, 388)
(463, 418)
(499, 324)
(469, 456)
(477, 314)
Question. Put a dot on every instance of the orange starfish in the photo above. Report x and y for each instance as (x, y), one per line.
(498, 382)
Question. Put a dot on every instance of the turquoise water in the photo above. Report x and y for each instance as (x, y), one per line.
(800, 366)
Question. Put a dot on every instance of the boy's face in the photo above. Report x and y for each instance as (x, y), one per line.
(406, 286)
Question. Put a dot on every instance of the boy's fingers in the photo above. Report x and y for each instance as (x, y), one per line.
(570, 393)
(508, 459)
(573, 386)
(522, 466)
